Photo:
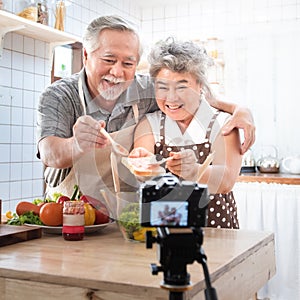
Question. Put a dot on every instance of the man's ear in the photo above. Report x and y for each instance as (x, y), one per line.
(84, 55)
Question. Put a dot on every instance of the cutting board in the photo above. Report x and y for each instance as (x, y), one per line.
(10, 234)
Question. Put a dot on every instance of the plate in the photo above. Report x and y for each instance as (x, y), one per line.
(58, 229)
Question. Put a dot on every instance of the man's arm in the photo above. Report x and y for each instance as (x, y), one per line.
(241, 118)
(60, 152)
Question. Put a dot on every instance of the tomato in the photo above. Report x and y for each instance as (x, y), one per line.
(51, 214)
(62, 199)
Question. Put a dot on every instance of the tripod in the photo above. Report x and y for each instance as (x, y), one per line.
(177, 249)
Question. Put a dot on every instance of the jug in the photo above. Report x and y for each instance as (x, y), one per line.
(268, 163)
(291, 165)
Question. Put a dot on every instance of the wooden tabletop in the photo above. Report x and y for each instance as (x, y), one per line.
(106, 266)
(280, 178)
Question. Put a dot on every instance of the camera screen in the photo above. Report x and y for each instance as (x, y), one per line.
(169, 213)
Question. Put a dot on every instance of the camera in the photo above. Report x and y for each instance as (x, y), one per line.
(167, 201)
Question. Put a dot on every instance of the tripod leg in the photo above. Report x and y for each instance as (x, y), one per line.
(176, 296)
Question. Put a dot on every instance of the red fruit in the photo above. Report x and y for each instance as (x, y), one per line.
(92, 201)
(62, 199)
(102, 216)
(51, 214)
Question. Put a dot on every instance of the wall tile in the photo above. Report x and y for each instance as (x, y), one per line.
(5, 115)
(15, 171)
(16, 151)
(4, 171)
(28, 81)
(5, 61)
(5, 134)
(5, 153)
(17, 42)
(28, 99)
(29, 63)
(28, 45)
(16, 134)
(16, 97)
(17, 79)
(28, 134)
(16, 116)
(5, 78)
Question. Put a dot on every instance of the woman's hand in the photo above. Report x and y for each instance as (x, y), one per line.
(140, 152)
(184, 164)
(242, 119)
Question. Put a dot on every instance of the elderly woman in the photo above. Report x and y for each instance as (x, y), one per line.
(188, 129)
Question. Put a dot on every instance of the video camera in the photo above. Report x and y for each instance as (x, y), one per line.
(168, 202)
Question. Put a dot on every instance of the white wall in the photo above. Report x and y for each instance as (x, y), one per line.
(24, 73)
(261, 46)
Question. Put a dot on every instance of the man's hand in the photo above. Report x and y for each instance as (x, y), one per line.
(87, 136)
(242, 119)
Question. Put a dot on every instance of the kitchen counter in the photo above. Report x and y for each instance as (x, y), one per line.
(280, 178)
(105, 266)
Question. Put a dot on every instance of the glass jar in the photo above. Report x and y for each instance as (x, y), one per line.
(42, 12)
(73, 220)
(60, 13)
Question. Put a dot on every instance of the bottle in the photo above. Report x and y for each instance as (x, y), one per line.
(42, 12)
(73, 220)
(60, 12)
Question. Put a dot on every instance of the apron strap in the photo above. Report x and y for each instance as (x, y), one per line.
(135, 112)
(81, 96)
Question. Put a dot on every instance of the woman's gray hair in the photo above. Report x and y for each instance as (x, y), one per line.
(90, 38)
(181, 57)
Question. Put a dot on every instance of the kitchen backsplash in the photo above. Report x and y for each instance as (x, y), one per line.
(261, 44)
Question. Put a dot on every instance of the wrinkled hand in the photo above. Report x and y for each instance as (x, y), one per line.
(242, 119)
(184, 164)
(86, 133)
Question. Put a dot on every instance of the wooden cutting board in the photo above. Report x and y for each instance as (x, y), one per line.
(10, 234)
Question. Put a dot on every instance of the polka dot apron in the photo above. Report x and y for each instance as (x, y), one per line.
(222, 210)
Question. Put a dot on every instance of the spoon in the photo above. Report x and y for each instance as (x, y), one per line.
(119, 149)
(158, 159)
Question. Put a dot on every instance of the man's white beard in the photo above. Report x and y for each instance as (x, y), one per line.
(112, 93)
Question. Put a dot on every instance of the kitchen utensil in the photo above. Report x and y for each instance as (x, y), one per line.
(117, 148)
(158, 159)
(269, 163)
(11, 234)
(206, 163)
(115, 175)
(291, 164)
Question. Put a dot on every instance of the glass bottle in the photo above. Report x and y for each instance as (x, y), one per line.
(42, 12)
(73, 220)
(60, 12)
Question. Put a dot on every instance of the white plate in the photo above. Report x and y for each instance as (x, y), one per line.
(58, 229)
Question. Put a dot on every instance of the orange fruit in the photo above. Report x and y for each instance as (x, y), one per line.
(51, 214)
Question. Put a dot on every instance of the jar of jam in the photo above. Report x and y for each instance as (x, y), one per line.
(73, 220)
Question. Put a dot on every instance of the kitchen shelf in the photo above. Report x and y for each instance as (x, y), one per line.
(13, 23)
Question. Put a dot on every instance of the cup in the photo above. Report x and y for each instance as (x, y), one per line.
(128, 216)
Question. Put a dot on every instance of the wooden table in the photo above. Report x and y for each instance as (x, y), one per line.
(105, 266)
